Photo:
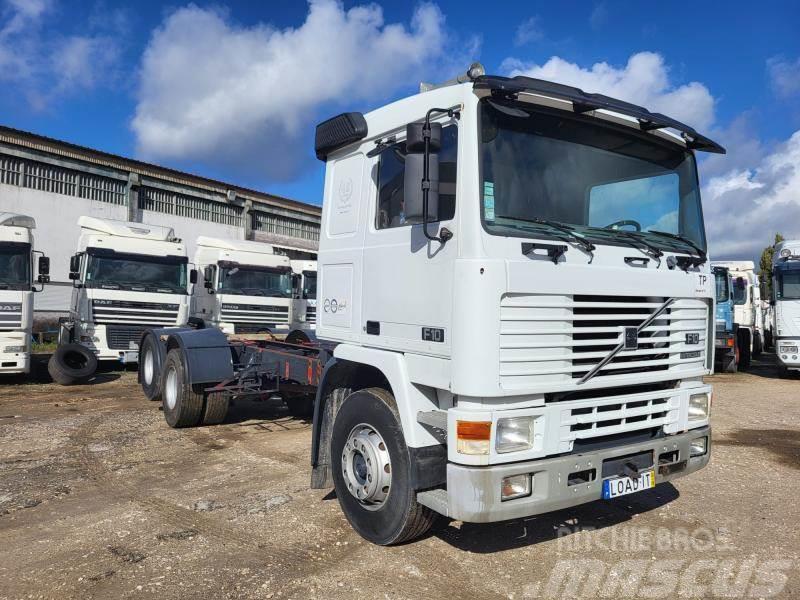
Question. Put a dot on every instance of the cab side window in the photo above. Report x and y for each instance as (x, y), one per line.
(391, 171)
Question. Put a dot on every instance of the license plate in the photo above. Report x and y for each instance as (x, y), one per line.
(620, 486)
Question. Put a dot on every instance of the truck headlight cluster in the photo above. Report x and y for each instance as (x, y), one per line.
(514, 434)
(699, 406)
(13, 349)
(472, 437)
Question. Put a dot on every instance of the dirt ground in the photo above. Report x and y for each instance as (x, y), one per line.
(100, 499)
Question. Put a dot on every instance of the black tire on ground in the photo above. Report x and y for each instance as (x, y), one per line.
(758, 347)
(182, 402)
(768, 340)
(729, 363)
(216, 408)
(392, 514)
(744, 349)
(72, 363)
(149, 371)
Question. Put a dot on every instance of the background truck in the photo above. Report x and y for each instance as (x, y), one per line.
(305, 272)
(16, 291)
(515, 316)
(726, 350)
(746, 309)
(246, 288)
(786, 313)
(127, 277)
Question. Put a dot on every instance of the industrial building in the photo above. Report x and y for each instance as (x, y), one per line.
(56, 182)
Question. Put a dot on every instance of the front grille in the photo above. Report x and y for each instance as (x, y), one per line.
(311, 314)
(10, 316)
(548, 342)
(123, 338)
(126, 312)
(254, 314)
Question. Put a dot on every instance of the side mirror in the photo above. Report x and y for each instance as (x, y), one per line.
(193, 276)
(75, 267)
(415, 171)
(208, 278)
(44, 265)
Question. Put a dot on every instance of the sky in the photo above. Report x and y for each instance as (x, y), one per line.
(233, 89)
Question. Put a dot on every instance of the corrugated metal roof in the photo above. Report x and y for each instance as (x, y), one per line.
(50, 145)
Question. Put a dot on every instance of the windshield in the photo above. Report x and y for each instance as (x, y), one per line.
(15, 266)
(540, 164)
(137, 272)
(788, 279)
(723, 294)
(309, 284)
(255, 281)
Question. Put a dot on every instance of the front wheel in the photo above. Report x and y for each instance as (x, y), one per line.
(372, 470)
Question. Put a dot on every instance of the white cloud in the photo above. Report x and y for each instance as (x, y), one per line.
(528, 31)
(44, 64)
(643, 80)
(744, 208)
(212, 90)
(784, 76)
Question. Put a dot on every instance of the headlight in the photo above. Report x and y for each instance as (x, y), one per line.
(514, 434)
(789, 349)
(13, 349)
(515, 486)
(698, 446)
(786, 253)
(698, 407)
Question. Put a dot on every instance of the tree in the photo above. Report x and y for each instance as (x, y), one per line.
(765, 267)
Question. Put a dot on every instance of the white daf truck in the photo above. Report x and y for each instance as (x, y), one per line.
(515, 309)
(16, 291)
(786, 311)
(747, 309)
(127, 277)
(305, 272)
(246, 287)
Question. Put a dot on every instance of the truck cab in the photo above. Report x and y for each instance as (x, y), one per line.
(747, 309)
(305, 272)
(245, 287)
(17, 263)
(127, 277)
(786, 286)
(517, 271)
(726, 355)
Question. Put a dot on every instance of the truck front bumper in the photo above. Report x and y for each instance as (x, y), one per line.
(18, 362)
(473, 494)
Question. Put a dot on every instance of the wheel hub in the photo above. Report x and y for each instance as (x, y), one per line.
(366, 466)
(148, 367)
(171, 388)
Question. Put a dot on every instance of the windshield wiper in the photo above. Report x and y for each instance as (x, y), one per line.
(569, 232)
(648, 249)
(684, 262)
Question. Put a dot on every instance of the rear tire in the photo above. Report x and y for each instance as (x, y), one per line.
(372, 470)
(744, 349)
(729, 363)
(149, 371)
(757, 345)
(182, 402)
(216, 408)
(71, 364)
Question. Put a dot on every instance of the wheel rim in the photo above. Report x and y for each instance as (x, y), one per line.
(367, 467)
(148, 367)
(171, 388)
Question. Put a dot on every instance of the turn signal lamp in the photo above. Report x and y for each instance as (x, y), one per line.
(473, 436)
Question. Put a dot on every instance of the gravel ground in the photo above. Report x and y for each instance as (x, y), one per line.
(100, 499)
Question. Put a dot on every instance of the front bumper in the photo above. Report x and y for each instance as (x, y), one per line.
(19, 362)
(790, 360)
(473, 494)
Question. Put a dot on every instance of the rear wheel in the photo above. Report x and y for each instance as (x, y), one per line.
(215, 408)
(730, 362)
(149, 371)
(182, 402)
(744, 349)
(758, 347)
(372, 470)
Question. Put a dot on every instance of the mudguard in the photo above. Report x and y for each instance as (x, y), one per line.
(207, 352)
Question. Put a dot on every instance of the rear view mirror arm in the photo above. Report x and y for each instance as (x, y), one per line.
(445, 234)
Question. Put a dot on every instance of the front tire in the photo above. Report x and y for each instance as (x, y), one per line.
(182, 402)
(372, 470)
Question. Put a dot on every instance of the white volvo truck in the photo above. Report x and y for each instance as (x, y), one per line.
(305, 272)
(515, 309)
(786, 311)
(16, 291)
(247, 288)
(747, 309)
(127, 277)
